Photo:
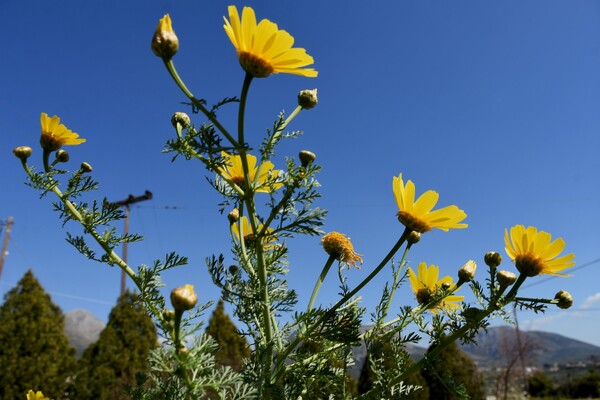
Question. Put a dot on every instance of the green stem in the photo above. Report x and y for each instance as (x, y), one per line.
(395, 284)
(319, 282)
(173, 72)
(76, 215)
(292, 345)
(267, 317)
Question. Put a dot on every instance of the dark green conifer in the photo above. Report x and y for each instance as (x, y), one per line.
(34, 351)
(451, 371)
(233, 347)
(109, 365)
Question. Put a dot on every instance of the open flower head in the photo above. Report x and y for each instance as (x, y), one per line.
(339, 246)
(534, 252)
(262, 176)
(264, 49)
(249, 235)
(425, 285)
(55, 135)
(418, 215)
(31, 395)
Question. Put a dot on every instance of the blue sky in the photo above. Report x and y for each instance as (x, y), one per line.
(492, 104)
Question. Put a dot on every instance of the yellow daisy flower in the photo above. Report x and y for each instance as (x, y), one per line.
(264, 49)
(31, 395)
(55, 134)
(425, 284)
(535, 253)
(234, 171)
(339, 246)
(417, 215)
(249, 234)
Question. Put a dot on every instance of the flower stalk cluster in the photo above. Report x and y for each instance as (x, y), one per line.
(266, 207)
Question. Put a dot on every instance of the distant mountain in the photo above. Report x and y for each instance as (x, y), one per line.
(83, 328)
(494, 346)
(540, 348)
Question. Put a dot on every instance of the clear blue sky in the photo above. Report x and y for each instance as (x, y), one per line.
(492, 104)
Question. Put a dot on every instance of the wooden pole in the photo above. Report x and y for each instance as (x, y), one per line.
(126, 203)
(9, 223)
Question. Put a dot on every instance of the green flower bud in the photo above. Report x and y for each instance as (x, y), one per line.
(233, 216)
(413, 237)
(506, 278)
(306, 157)
(62, 156)
(180, 118)
(307, 99)
(22, 152)
(184, 298)
(85, 167)
(564, 299)
(492, 259)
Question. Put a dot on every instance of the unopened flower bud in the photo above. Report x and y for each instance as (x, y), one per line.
(62, 156)
(233, 269)
(506, 278)
(492, 259)
(307, 99)
(164, 42)
(184, 298)
(22, 152)
(564, 299)
(180, 118)
(466, 273)
(413, 237)
(233, 216)
(446, 285)
(85, 167)
(306, 157)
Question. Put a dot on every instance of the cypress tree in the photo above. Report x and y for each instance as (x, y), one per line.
(109, 365)
(233, 347)
(34, 351)
(450, 371)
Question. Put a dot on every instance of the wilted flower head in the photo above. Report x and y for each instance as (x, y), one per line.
(339, 246)
(535, 253)
(418, 215)
(165, 43)
(264, 49)
(55, 135)
(425, 285)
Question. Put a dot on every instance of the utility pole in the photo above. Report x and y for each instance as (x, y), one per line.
(9, 223)
(131, 199)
